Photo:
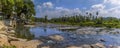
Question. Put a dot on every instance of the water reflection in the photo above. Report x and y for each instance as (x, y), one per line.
(23, 32)
(44, 31)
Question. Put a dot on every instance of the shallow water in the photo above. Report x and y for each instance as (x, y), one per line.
(44, 31)
(78, 39)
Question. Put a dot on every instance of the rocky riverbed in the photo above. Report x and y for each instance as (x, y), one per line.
(76, 36)
(85, 37)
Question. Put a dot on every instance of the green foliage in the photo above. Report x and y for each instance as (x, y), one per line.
(18, 7)
(110, 22)
(45, 19)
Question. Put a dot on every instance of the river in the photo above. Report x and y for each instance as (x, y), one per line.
(79, 36)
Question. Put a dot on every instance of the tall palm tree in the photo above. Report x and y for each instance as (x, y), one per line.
(97, 13)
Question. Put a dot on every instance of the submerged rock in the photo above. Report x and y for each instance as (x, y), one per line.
(102, 40)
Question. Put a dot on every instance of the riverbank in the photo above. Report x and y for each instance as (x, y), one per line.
(9, 40)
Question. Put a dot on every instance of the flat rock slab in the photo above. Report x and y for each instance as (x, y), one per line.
(27, 44)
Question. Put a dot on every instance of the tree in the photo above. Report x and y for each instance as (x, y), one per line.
(0, 6)
(20, 7)
(46, 18)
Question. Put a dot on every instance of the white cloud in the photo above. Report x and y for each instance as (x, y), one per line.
(113, 2)
(98, 6)
(115, 12)
(48, 4)
(39, 7)
(112, 12)
(60, 11)
(107, 12)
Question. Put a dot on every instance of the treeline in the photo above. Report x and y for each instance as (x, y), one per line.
(95, 21)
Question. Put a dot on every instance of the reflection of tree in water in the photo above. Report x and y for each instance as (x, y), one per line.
(23, 32)
(45, 30)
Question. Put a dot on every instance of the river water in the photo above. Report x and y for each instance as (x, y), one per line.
(77, 37)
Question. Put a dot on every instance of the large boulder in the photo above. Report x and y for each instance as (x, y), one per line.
(4, 40)
(26, 44)
(57, 37)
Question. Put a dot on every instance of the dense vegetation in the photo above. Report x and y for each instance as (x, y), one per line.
(21, 10)
(89, 20)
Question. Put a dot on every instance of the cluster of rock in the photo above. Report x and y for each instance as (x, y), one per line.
(7, 38)
(59, 38)
(97, 45)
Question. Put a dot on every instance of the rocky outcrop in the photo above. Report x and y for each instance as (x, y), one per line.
(7, 38)
(3, 35)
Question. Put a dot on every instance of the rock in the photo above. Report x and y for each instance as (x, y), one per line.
(16, 39)
(3, 32)
(98, 45)
(33, 44)
(18, 44)
(73, 47)
(86, 46)
(57, 37)
(111, 46)
(102, 40)
(26, 44)
(4, 40)
(2, 26)
(11, 31)
(45, 47)
(50, 41)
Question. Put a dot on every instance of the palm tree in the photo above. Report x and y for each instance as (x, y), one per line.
(97, 13)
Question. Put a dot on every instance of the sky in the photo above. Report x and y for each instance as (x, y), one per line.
(58, 8)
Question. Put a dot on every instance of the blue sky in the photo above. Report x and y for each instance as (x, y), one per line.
(57, 8)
